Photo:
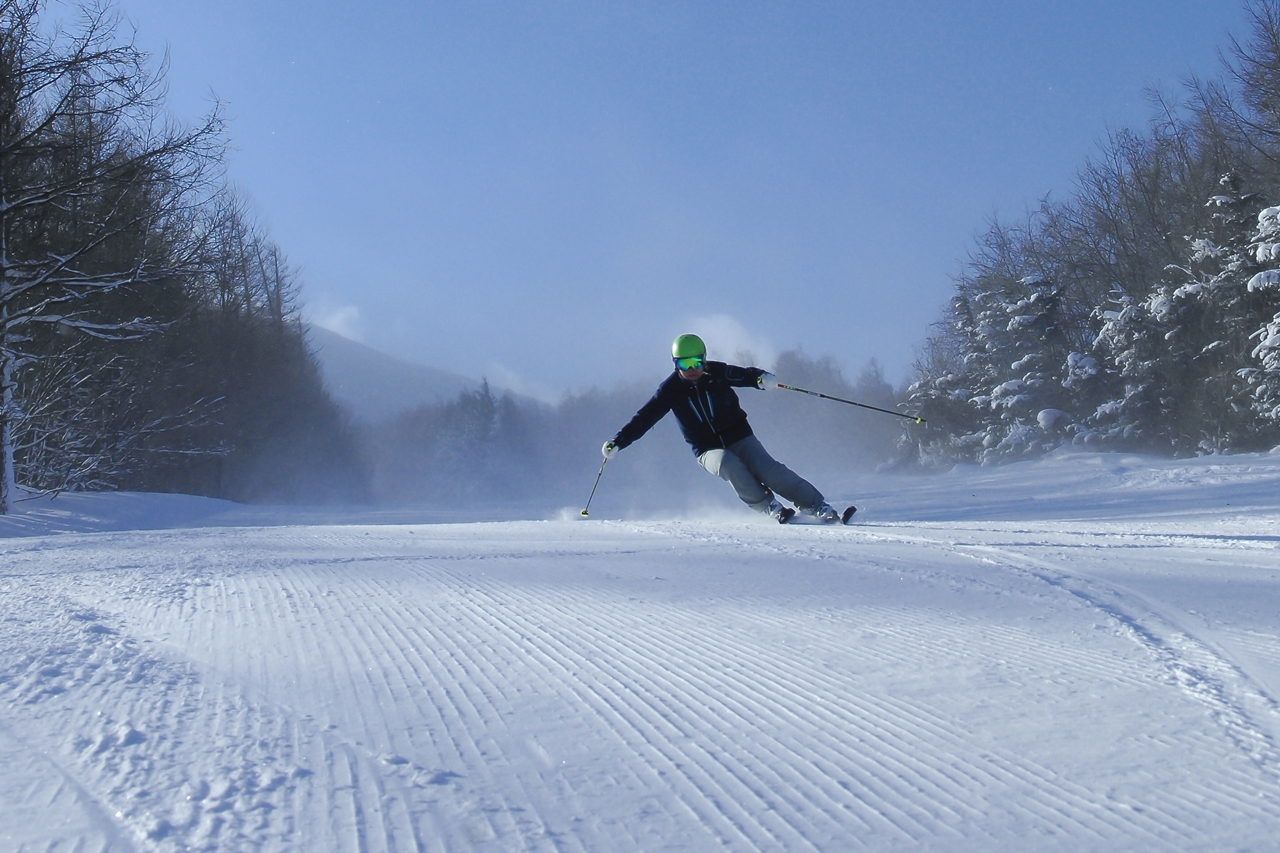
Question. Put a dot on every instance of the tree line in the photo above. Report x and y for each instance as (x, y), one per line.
(150, 336)
(149, 330)
(1143, 311)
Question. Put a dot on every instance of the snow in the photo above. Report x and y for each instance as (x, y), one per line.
(1264, 279)
(1047, 418)
(1077, 653)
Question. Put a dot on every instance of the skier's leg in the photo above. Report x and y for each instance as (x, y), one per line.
(727, 466)
(774, 475)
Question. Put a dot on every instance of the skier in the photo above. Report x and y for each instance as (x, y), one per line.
(701, 394)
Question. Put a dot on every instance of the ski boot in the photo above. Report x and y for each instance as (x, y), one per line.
(823, 512)
(778, 512)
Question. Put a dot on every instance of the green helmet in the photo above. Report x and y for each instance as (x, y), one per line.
(687, 346)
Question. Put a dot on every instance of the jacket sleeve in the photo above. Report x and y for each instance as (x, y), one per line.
(742, 377)
(650, 413)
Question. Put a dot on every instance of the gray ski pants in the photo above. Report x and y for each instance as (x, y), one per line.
(756, 476)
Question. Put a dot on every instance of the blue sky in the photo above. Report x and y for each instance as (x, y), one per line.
(546, 193)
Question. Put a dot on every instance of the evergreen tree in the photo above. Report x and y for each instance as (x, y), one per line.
(1264, 376)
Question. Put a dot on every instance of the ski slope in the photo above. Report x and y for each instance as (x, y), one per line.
(1080, 653)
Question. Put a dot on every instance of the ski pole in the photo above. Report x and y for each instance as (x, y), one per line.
(593, 488)
(915, 418)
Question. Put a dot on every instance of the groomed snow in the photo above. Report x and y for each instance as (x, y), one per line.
(1080, 653)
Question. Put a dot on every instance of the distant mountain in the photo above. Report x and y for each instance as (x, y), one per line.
(376, 386)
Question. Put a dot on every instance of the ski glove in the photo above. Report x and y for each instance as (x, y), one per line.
(610, 449)
(767, 381)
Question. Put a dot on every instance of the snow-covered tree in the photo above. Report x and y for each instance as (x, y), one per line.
(997, 392)
(1182, 351)
(95, 190)
(1264, 374)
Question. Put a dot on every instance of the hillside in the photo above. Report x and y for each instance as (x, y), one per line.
(375, 386)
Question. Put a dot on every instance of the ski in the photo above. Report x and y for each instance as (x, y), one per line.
(847, 515)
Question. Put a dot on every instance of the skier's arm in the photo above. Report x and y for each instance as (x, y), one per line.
(650, 413)
(743, 377)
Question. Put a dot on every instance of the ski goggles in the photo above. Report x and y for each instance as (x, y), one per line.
(692, 362)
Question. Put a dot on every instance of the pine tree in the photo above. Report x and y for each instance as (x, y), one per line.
(1264, 375)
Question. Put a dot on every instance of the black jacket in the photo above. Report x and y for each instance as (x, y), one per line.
(707, 410)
